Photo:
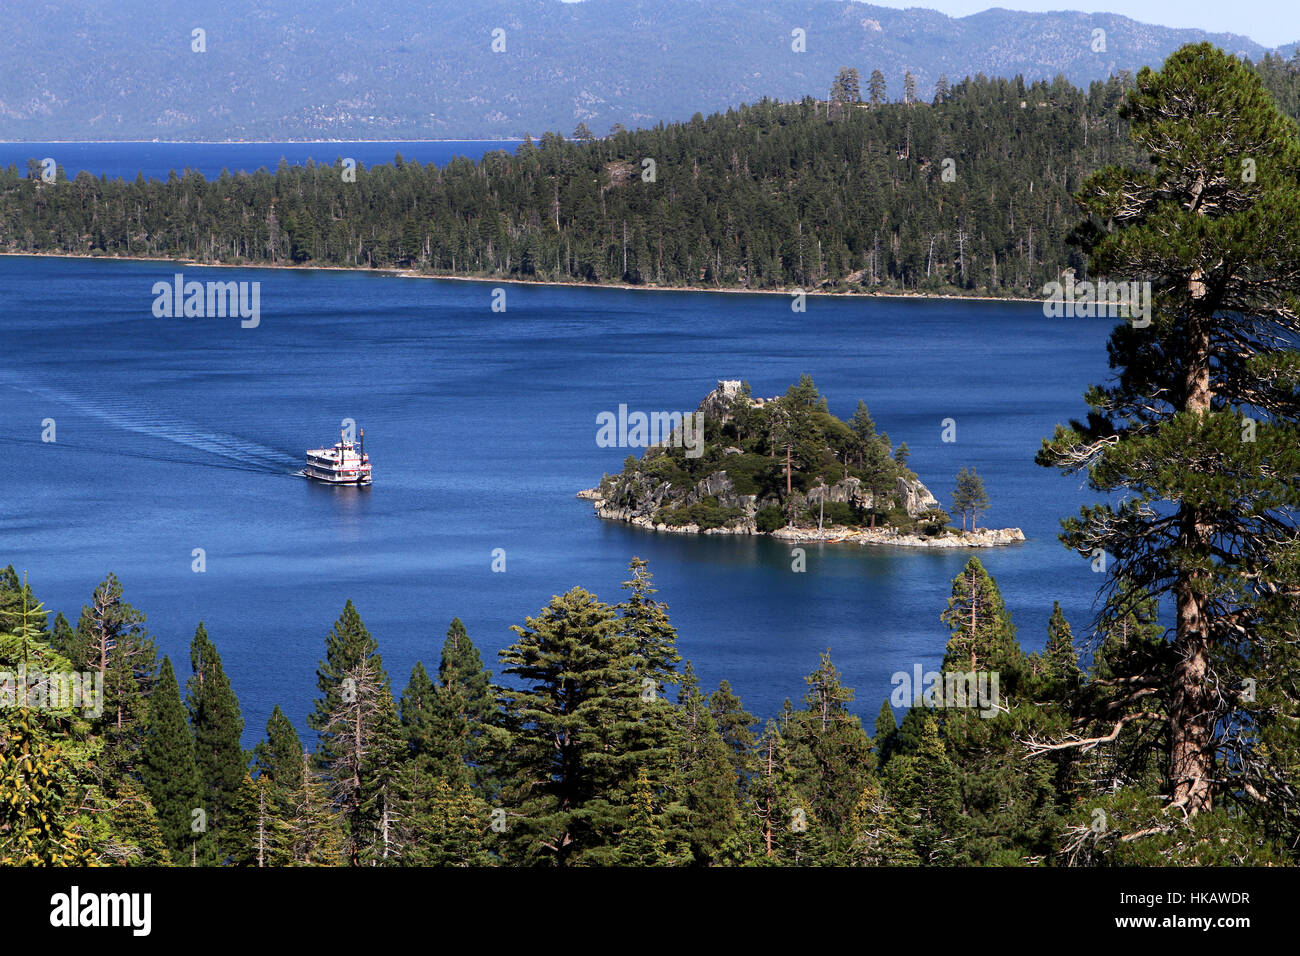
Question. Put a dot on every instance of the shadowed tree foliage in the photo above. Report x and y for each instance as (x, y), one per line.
(466, 704)
(217, 724)
(171, 774)
(709, 772)
(736, 725)
(279, 755)
(923, 784)
(450, 725)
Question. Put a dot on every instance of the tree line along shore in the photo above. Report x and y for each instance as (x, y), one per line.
(967, 194)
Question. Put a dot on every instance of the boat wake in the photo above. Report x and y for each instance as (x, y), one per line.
(117, 452)
(215, 449)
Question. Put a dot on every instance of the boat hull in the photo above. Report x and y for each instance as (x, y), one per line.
(332, 479)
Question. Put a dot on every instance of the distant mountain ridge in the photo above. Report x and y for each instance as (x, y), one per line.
(415, 69)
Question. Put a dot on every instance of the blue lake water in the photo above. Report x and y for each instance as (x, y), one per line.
(176, 434)
(157, 160)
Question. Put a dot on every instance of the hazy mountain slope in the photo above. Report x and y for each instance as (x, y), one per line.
(414, 68)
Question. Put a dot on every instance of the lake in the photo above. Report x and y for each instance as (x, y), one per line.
(157, 160)
(177, 434)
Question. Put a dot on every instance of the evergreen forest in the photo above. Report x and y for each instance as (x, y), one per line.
(967, 192)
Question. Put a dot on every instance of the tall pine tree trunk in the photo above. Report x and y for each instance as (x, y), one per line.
(767, 818)
(1191, 742)
(261, 827)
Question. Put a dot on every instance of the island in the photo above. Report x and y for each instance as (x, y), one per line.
(784, 467)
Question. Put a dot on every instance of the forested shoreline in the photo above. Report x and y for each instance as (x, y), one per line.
(768, 196)
(600, 748)
(968, 194)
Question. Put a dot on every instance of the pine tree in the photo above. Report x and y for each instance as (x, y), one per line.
(450, 726)
(876, 88)
(830, 754)
(256, 832)
(1198, 434)
(969, 497)
(366, 731)
(442, 823)
(1060, 658)
(878, 834)
(1131, 653)
(983, 637)
(643, 842)
(62, 638)
(170, 772)
(846, 87)
(123, 827)
(885, 736)
(941, 90)
(34, 826)
(1009, 802)
(466, 706)
(348, 644)
(316, 831)
(924, 786)
(277, 761)
(879, 476)
(315, 827)
(24, 645)
(907, 738)
(360, 738)
(217, 723)
(439, 749)
(279, 756)
(736, 725)
(574, 667)
(862, 424)
(784, 828)
(705, 814)
(646, 733)
(110, 637)
(18, 606)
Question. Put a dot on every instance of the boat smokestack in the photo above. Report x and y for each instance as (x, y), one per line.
(363, 443)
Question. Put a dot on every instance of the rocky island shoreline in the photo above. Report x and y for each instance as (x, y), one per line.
(738, 484)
